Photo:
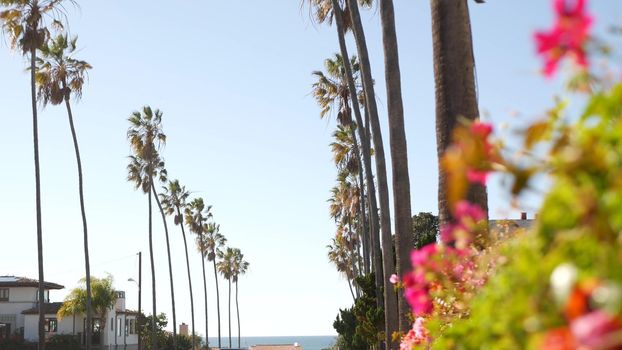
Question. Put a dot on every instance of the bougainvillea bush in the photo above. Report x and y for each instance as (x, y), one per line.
(558, 285)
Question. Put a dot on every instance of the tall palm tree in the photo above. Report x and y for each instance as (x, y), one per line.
(146, 139)
(24, 22)
(196, 216)
(168, 252)
(456, 93)
(59, 75)
(225, 267)
(240, 266)
(399, 153)
(331, 92)
(325, 11)
(174, 200)
(213, 243)
(390, 298)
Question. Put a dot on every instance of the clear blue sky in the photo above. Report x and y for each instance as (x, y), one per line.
(233, 79)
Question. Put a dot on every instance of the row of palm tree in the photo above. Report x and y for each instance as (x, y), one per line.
(360, 201)
(146, 165)
(55, 77)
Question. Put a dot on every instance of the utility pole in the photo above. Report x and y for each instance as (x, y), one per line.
(140, 310)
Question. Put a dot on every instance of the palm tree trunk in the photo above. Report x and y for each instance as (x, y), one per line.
(364, 134)
(237, 307)
(390, 298)
(87, 265)
(399, 153)
(205, 295)
(456, 95)
(362, 214)
(170, 265)
(183, 233)
(35, 141)
(229, 313)
(351, 290)
(154, 340)
(217, 300)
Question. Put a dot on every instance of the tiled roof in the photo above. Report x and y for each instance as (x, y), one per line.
(48, 308)
(15, 281)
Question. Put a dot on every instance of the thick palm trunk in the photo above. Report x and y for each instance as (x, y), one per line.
(364, 134)
(87, 265)
(217, 300)
(205, 297)
(399, 153)
(229, 313)
(456, 95)
(35, 141)
(170, 265)
(154, 340)
(390, 298)
(183, 233)
(237, 308)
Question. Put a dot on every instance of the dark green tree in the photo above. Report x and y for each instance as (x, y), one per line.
(425, 229)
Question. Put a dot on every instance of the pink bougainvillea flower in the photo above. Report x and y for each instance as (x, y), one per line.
(467, 211)
(567, 37)
(419, 329)
(477, 176)
(481, 129)
(419, 300)
(394, 279)
(422, 255)
(593, 330)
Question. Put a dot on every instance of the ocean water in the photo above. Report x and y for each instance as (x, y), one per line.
(306, 342)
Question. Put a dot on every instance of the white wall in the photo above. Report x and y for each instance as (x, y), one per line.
(20, 299)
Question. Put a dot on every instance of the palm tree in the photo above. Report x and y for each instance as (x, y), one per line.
(390, 298)
(168, 252)
(174, 200)
(225, 267)
(196, 215)
(456, 94)
(213, 242)
(103, 299)
(146, 138)
(332, 89)
(58, 76)
(240, 267)
(23, 21)
(399, 152)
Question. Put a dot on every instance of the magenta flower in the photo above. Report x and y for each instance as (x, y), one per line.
(594, 329)
(567, 37)
(421, 256)
(394, 279)
(419, 300)
(477, 176)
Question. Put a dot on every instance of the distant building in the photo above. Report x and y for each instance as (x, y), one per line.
(19, 315)
(506, 227)
(294, 346)
(183, 329)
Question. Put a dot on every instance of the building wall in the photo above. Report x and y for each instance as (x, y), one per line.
(20, 299)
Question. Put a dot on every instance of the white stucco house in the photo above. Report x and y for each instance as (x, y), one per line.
(19, 315)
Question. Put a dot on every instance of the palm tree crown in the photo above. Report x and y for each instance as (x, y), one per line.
(59, 74)
(146, 139)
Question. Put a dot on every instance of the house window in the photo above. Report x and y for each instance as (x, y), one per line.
(4, 294)
(119, 324)
(130, 326)
(51, 325)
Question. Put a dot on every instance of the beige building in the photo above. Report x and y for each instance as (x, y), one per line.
(294, 346)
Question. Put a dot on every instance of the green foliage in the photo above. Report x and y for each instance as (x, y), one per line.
(360, 327)
(63, 342)
(425, 229)
(103, 296)
(165, 339)
(579, 225)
